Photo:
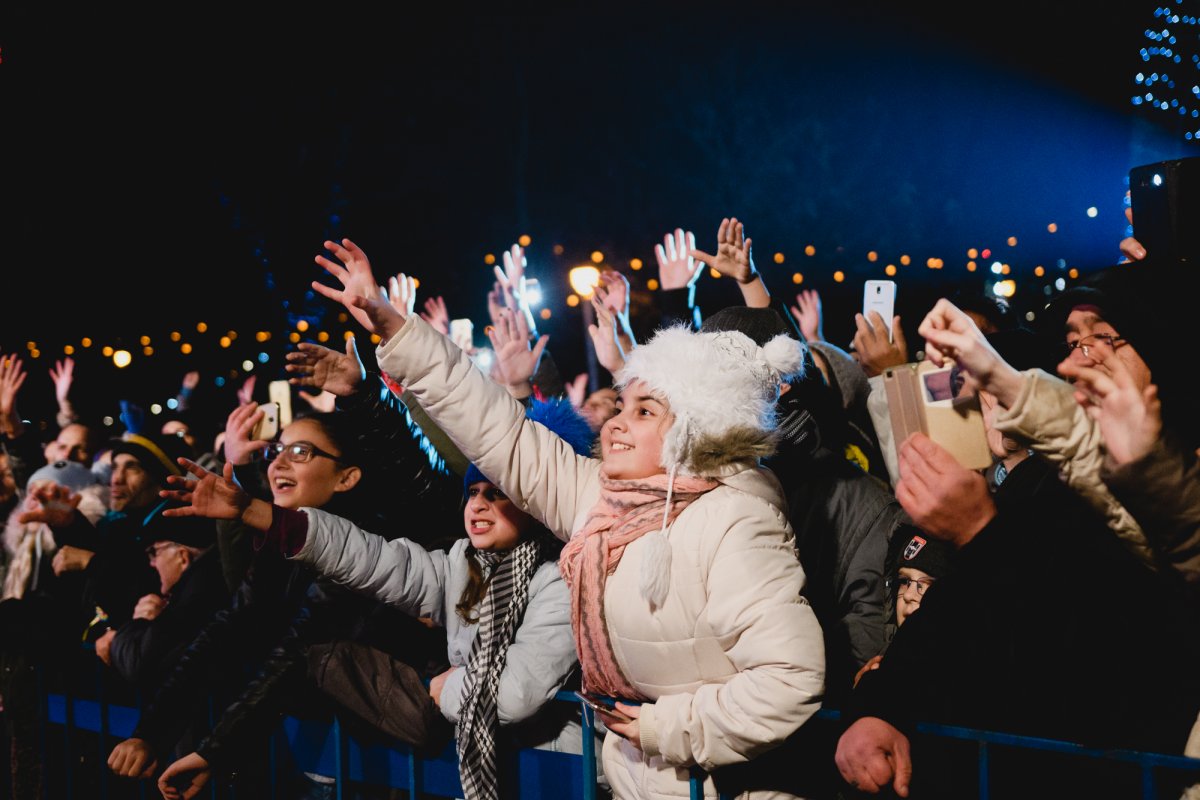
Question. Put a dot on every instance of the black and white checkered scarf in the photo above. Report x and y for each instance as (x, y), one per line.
(500, 614)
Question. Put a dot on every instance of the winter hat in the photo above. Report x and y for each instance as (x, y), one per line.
(71, 474)
(721, 388)
(849, 380)
(198, 532)
(561, 418)
(156, 453)
(912, 547)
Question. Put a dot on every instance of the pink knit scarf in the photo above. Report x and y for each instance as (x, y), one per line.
(626, 510)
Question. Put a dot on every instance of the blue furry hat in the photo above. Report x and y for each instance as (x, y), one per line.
(561, 418)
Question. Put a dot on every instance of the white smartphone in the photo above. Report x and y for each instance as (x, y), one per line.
(462, 333)
(267, 428)
(880, 296)
(281, 392)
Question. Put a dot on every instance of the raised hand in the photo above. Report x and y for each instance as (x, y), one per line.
(245, 393)
(184, 779)
(436, 315)
(51, 503)
(212, 495)
(133, 758)
(951, 334)
(191, 379)
(1130, 418)
(12, 376)
(239, 427)
(103, 646)
(512, 277)
(677, 268)
(1131, 248)
(360, 294)
(325, 402)
(871, 344)
(613, 291)
(402, 293)
(497, 301)
(733, 258)
(577, 389)
(807, 312)
(604, 337)
(516, 361)
(62, 373)
(326, 369)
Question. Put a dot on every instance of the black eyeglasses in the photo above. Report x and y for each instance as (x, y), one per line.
(297, 452)
(154, 550)
(922, 584)
(1088, 342)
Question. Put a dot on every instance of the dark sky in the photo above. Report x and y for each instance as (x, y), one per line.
(165, 170)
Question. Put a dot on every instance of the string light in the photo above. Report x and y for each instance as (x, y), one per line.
(778, 258)
(797, 278)
(1166, 84)
(635, 264)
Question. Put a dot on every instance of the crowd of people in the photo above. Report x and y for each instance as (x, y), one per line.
(720, 538)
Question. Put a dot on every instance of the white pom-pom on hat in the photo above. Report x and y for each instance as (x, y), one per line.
(785, 355)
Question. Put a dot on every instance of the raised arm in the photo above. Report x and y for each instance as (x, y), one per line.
(733, 259)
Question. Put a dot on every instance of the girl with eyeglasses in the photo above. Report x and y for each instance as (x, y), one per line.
(280, 610)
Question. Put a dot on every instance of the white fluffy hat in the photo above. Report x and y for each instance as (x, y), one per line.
(722, 389)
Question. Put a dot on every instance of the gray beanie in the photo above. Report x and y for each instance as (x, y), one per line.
(847, 375)
(70, 474)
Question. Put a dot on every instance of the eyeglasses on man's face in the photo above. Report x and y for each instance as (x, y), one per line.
(156, 549)
(297, 452)
(1088, 343)
(902, 584)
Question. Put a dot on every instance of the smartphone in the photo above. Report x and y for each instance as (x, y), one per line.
(462, 333)
(603, 706)
(267, 428)
(1165, 199)
(931, 400)
(281, 392)
(880, 296)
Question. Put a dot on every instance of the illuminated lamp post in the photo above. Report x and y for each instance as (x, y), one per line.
(584, 281)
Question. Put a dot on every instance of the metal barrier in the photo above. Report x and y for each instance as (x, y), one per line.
(325, 748)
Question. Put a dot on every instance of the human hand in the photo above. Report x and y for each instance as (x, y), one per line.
(103, 646)
(191, 380)
(512, 283)
(239, 427)
(325, 402)
(326, 369)
(631, 731)
(71, 559)
(51, 503)
(677, 268)
(1131, 248)
(184, 779)
(245, 393)
(733, 258)
(402, 293)
(360, 294)
(807, 312)
(945, 499)
(133, 758)
(604, 338)
(62, 373)
(437, 315)
(871, 754)
(1130, 418)
(497, 300)
(149, 606)
(576, 389)
(436, 683)
(613, 291)
(951, 334)
(12, 376)
(875, 352)
(872, 664)
(213, 496)
(515, 360)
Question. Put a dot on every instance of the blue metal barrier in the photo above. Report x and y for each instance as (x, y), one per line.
(323, 747)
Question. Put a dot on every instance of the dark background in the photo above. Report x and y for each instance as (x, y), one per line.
(184, 166)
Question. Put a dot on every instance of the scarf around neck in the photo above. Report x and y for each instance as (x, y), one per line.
(500, 614)
(625, 511)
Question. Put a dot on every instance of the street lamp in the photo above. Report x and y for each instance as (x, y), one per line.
(584, 280)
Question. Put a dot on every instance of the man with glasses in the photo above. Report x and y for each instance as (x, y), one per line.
(191, 591)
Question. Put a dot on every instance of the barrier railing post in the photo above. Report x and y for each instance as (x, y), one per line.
(589, 751)
(984, 764)
(102, 709)
(339, 759)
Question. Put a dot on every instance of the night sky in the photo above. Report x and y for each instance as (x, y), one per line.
(166, 170)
